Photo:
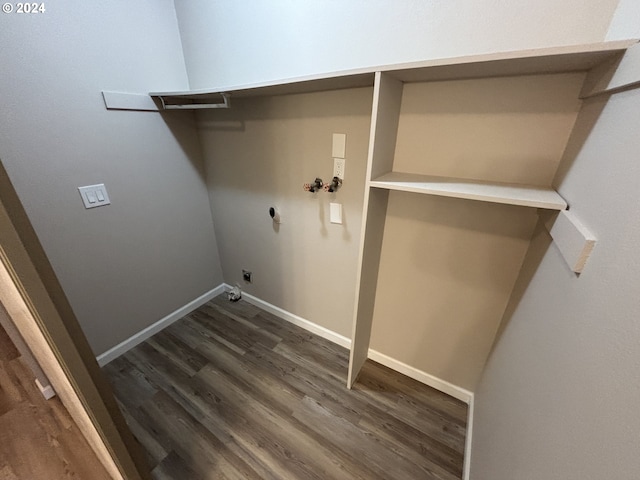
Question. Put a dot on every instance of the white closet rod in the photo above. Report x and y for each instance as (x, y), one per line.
(226, 103)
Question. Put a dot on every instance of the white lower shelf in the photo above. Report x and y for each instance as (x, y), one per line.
(508, 193)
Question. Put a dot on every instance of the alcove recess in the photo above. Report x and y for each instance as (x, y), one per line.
(461, 159)
(462, 155)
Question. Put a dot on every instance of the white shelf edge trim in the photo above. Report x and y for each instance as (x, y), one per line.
(573, 239)
(266, 84)
(437, 62)
(512, 194)
(126, 345)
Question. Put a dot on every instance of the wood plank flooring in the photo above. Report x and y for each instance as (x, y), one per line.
(38, 438)
(231, 392)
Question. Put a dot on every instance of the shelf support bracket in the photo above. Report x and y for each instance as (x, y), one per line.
(166, 102)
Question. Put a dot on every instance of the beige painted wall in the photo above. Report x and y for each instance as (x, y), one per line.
(258, 154)
(511, 129)
(448, 265)
(446, 272)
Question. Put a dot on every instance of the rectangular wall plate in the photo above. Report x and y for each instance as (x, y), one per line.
(335, 213)
(94, 195)
(339, 145)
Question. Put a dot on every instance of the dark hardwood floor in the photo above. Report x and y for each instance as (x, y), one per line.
(38, 438)
(231, 391)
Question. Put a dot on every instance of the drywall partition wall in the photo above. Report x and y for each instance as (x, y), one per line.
(626, 21)
(259, 154)
(233, 43)
(559, 395)
(448, 266)
(126, 265)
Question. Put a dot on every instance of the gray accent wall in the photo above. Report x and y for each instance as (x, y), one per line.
(129, 264)
(559, 396)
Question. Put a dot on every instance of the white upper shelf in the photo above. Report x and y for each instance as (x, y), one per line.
(512, 194)
(523, 62)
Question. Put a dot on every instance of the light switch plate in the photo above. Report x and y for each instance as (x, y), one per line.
(94, 195)
(339, 145)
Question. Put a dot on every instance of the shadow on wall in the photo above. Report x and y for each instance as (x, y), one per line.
(587, 118)
(184, 129)
(541, 240)
(447, 268)
(540, 243)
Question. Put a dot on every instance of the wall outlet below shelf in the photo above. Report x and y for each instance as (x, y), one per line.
(338, 168)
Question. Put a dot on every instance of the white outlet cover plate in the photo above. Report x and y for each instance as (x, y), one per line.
(94, 195)
(338, 167)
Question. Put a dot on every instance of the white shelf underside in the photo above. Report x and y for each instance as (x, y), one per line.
(511, 194)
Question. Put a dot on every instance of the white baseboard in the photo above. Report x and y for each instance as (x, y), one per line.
(47, 391)
(466, 468)
(455, 391)
(296, 320)
(151, 330)
(423, 377)
(460, 393)
(412, 372)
